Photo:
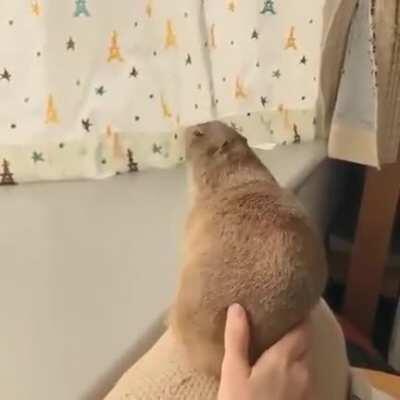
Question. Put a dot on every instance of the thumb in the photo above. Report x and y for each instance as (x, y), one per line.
(237, 336)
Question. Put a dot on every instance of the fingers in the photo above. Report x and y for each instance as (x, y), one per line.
(237, 336)
(291, 348)
(296, 342)
(237, 333)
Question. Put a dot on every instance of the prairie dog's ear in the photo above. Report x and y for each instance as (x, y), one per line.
(244, 139)
(224, 147)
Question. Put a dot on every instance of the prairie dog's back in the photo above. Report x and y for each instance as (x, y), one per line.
(247, 241)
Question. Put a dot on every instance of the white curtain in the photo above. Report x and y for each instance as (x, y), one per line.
(90, 89)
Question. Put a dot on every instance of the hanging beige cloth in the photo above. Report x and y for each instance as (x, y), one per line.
(364, 125)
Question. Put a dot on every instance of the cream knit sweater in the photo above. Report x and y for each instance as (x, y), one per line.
(164, 373)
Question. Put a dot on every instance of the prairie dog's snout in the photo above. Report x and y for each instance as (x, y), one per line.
(198, 133)
(192, 135)
(194, 132)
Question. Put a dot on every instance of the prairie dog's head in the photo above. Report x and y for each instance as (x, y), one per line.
(220, 157)
(212, 141)
(213, 150)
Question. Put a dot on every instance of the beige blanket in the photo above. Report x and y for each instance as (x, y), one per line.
(164, 373)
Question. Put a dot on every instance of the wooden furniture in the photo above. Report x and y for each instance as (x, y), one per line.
(389, 384)
(382, 188)
(371, 246)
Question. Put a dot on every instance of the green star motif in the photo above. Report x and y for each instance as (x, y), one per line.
(100, 91)
(254, 34)
(157, 148)
(269, 7)
(36, 157)
(70, 44)
(277, 73)
(5, 75)
(86, 124)
(134, 73)
(264, 100)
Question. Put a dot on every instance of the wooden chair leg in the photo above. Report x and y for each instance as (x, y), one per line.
(371, 246)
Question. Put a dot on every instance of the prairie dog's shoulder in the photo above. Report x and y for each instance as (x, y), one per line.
(256, 209)
(255, 196)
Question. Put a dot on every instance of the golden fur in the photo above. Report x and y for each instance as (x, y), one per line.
(248, 241)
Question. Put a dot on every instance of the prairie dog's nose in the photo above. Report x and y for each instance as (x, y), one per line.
(198, 133)
(193, 133)
(195, 130)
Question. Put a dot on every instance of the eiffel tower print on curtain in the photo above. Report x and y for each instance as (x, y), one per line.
(269, 7)
(6, 176)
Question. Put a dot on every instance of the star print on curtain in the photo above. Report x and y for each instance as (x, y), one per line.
(90, 89)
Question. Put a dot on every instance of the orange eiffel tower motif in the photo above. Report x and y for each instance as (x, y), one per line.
(212, 37)
(132, 165)
(170, 39)
(115, 52)
(291, 40)
(165, 108)
(286, 119)
(35, 6)
(239, 89)
(51, 112)
(297, 137)
(109, 131)
(231, 5)
(285, 115)
(6, 176)
(149, 8)
(115, 142)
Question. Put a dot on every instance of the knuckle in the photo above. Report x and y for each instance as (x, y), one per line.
(301, 346)
(281, 364)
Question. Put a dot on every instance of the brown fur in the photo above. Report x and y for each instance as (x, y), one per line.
(248, 241)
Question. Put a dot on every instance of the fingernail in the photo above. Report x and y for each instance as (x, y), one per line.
(236, 311)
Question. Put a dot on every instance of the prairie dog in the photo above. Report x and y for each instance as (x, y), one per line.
(247, 241)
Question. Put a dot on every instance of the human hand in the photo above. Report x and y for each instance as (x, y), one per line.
(282, 373)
